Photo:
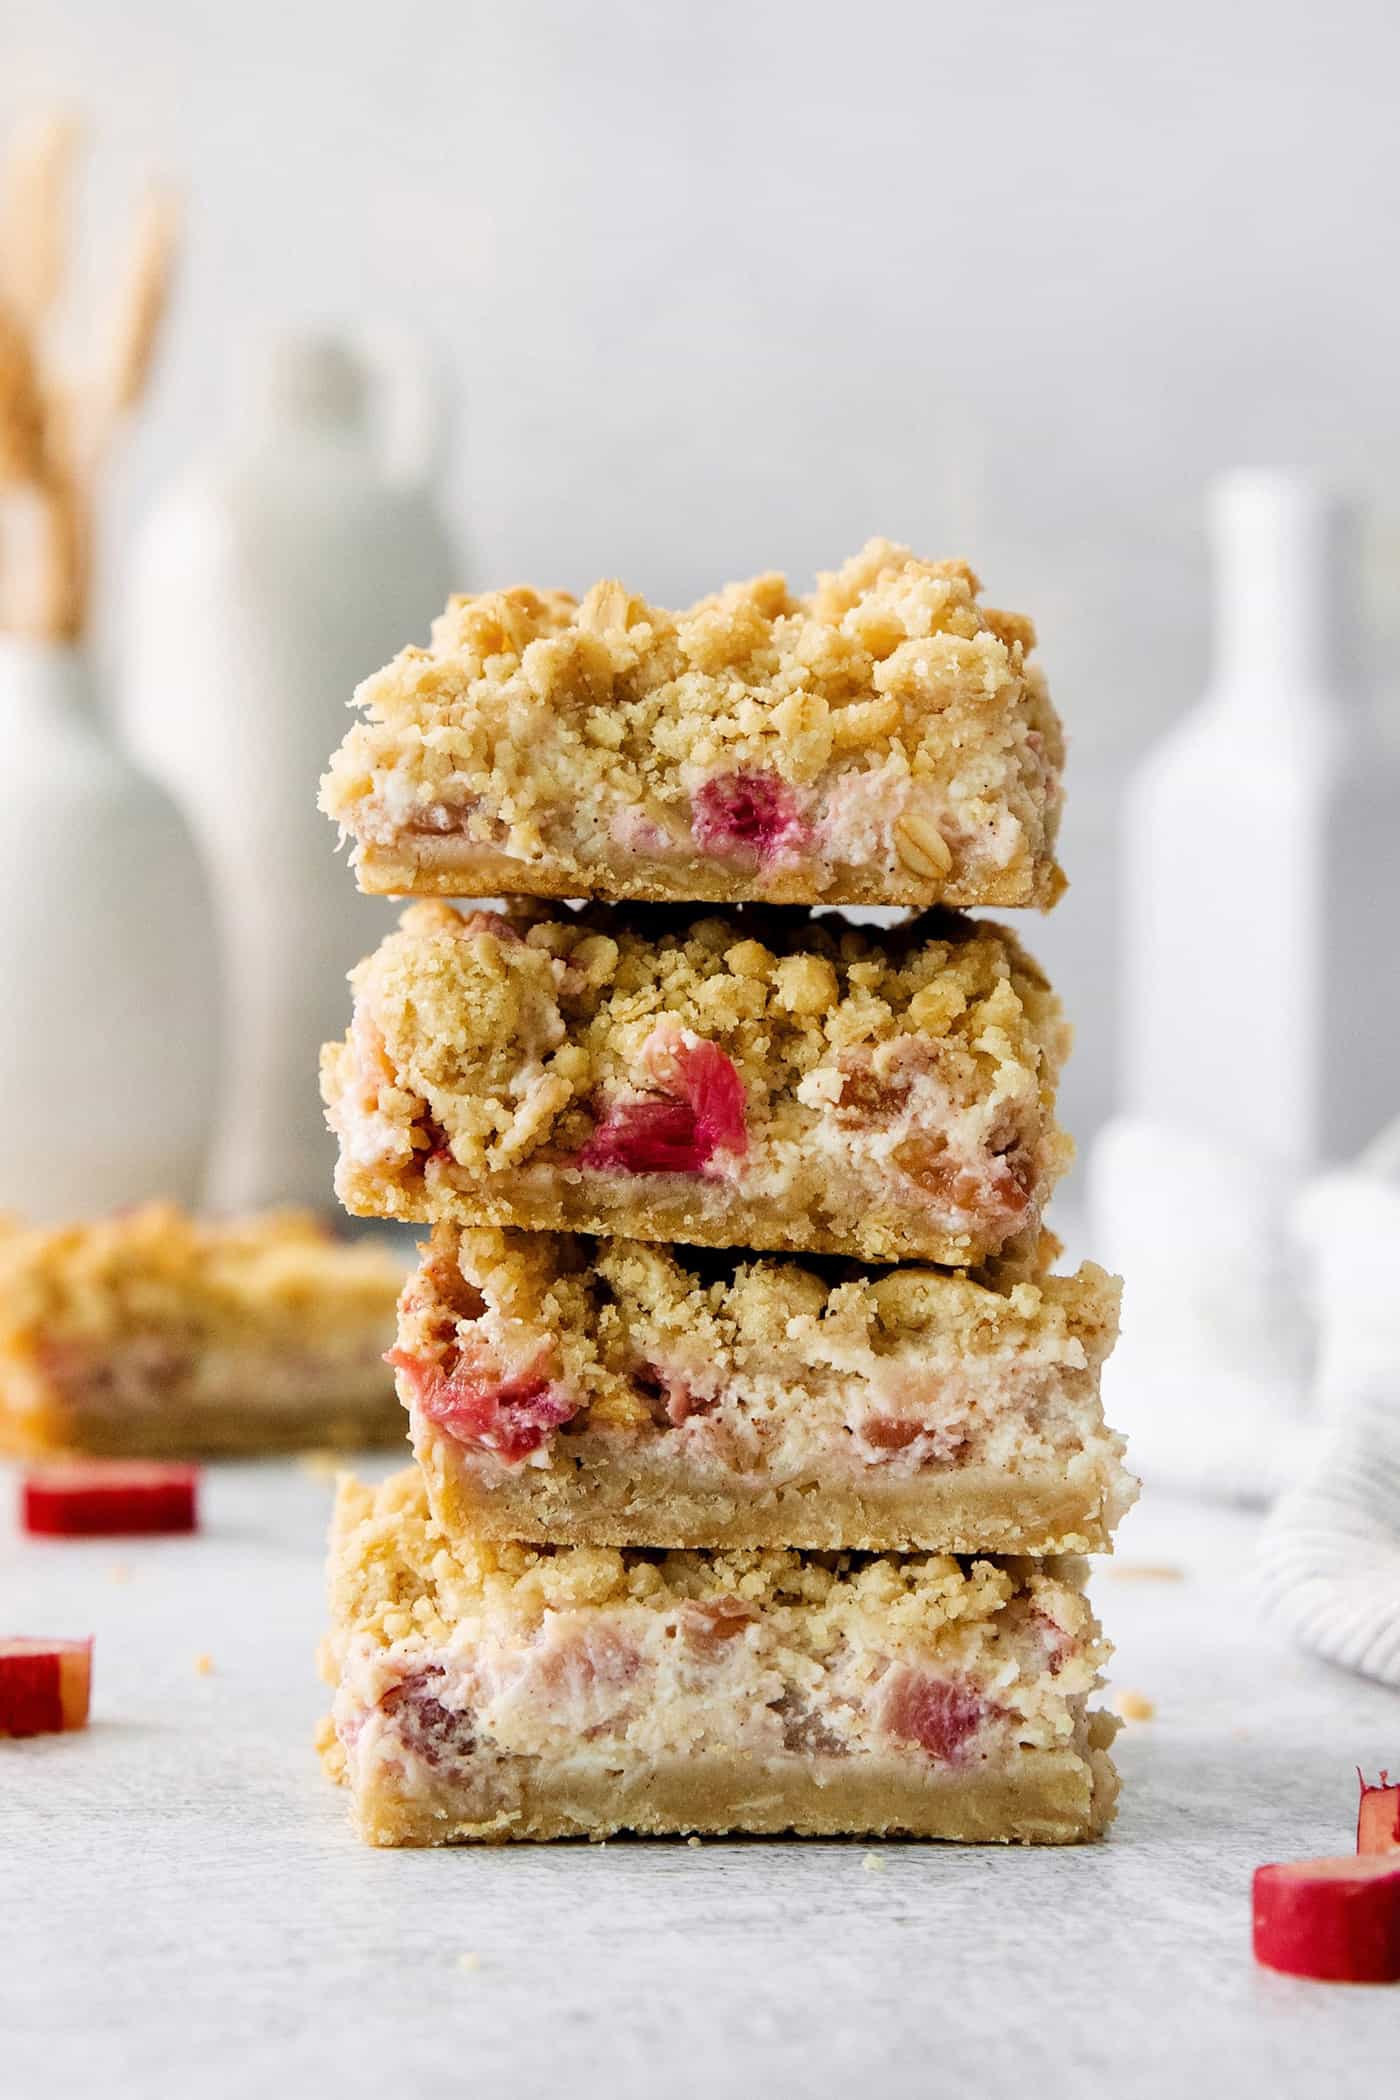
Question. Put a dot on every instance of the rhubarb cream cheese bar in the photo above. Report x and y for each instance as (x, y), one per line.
(508, 1691)
(620, 1393)
(154, 1334)
(886, 741)
(759, 1080)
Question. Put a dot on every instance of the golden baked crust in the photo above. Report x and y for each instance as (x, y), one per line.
(152, 1332)
(619, 1392)
(493, 1690)
(1065, 1796)
(893, 1090)
(887, 740)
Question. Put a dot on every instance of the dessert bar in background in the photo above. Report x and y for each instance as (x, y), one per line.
(759, 1079)
(155, 1334)
(886, 741)
(621, 1393)
(497, 1692)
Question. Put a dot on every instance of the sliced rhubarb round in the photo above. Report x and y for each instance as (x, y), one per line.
(44, 1686)
(1378, 1818)
(1337, 1920)
(117, 1498)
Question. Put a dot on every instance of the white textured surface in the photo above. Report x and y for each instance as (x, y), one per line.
(186, 1914)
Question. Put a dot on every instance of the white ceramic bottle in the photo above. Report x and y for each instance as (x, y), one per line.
(108, 1056)
(1264, 857)
(272, 578)
(1261, 1010)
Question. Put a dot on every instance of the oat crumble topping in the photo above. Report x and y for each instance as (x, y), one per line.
(888, 739)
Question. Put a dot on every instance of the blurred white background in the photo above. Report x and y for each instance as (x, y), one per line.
(726, 286)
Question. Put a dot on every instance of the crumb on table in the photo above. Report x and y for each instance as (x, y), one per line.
(1134, 1706)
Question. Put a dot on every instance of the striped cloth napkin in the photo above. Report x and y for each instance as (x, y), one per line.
(1329, 1562)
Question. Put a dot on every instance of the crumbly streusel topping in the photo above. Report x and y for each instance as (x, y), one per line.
(156, 1266)
(891, 668)
(506, 1024)
(394, 1574)
(593, 1304)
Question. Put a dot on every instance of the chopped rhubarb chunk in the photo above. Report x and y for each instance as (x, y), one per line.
(586, 1670)
(748, 813)
(890, 1432)
(45, 1686)
(885, 1435)
(1058, 1644)
(512, 1417)
(700, 1114)
(1378, 1817)
(670, 1401)
(940, 1714)
(710, 1082)
(493, 922)
(996, 1188)
(646, 1137)
(1337, 1920)
(708, 1623)
(434, 1732)
(115, 1498)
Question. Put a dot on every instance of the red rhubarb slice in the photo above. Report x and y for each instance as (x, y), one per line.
(940, 1714)
(510, 1416)
(700, 1114)
(646, 1137)
(44, 1686)
(103, 1499)
(1337, 1920)
(1378, 1817)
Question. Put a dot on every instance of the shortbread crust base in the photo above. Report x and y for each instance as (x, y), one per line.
(679, 1207)
(596, 1494)
(438, 866)
(1048, 1797)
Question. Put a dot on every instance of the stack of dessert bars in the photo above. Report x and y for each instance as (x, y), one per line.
(755, 1444)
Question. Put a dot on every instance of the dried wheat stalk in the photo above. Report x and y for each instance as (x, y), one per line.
(21, 404)
(55, 434)
(142, 297)
(34, 217)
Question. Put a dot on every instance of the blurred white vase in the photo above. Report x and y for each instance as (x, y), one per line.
(273, 576)
(1261, 1012)
(109, 1054)
(1263, 857)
